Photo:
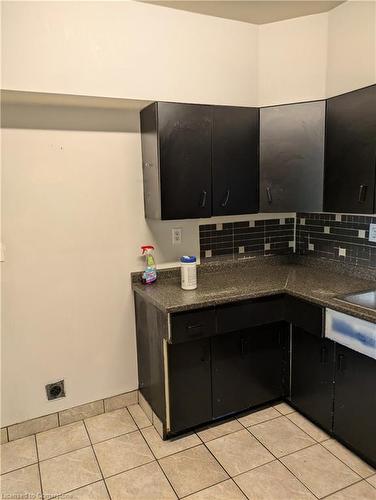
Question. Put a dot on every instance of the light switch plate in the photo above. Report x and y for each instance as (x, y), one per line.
(372, 233)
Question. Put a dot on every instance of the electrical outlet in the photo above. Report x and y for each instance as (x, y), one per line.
(372, 233)
(176, 235)
(55, 390)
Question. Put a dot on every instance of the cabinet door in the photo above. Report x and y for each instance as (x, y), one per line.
(355, 401)
(189, 384)
(235, 160)
(185, 160)
(248, 368)
(292, 157)
(350, 152)
(312, 375)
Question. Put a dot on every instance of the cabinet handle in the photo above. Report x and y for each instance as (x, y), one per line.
(203, 199)
(269, 194)
(192, 327)
(362, 193)
(341, 362)
(227, 197)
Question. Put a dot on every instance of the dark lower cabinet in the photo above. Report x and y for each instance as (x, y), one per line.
(312, 371)
(189, 372)
(355, 402)
(248, 368)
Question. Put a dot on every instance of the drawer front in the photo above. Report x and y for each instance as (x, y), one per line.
(305, 315)
(192, 325)
(247, 314)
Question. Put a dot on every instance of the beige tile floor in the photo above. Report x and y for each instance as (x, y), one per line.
(274, 453)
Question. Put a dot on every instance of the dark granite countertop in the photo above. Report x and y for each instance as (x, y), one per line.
(230, 282)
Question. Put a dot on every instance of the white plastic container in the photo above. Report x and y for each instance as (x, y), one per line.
(188, 272)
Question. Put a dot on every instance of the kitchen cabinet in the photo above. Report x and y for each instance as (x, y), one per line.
(248, 368)
(355, 401)
(199, 160)
(197, 366)
(312, 373)
(350, 152)
(235, 160)
(189, 368)
(292, 157)
(176, 152)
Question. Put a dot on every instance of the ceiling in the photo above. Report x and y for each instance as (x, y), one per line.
(251, 11)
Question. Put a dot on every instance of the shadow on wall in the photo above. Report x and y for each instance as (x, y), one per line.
(25, 110)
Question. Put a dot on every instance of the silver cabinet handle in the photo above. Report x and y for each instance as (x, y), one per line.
(227, 197)
(362, 193)
(203, 199)
(269, 194)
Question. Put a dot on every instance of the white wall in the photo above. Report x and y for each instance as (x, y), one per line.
(292, 60)
(128, 49)
(351, 47)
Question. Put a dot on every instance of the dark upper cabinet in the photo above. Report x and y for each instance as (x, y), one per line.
(312, 372)
(189, 366)
(355, 401)
(199, 160)
(235, 160)
(351, 152)
(248, 368)
(176, 151)
(292, 157)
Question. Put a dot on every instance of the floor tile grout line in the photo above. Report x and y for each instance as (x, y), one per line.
(240, 488)
(341, 489)
(153, 454)
(298, 479)
(369, 482)
(58, 419)
(38, 465)
(159, 465)
(96, 459)
(65, 453)
(18, 468)
(295, 425)
(257, 423)
(347, 465)
(62, 495)
(278, 458)
(206, 488)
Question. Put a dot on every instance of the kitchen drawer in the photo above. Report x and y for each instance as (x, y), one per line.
(192, 325)
(242, 315)
(305, 315)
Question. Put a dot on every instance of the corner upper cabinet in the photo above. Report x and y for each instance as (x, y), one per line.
(199, 160)
(235, 160)
(292, 157)
(176, 153)
(351, 152)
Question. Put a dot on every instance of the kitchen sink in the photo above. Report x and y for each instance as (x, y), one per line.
(364, 299)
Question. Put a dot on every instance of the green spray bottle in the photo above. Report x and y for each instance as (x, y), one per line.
(150, 273)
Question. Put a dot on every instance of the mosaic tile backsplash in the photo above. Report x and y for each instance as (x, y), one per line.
(239, 240)
(336, 237)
